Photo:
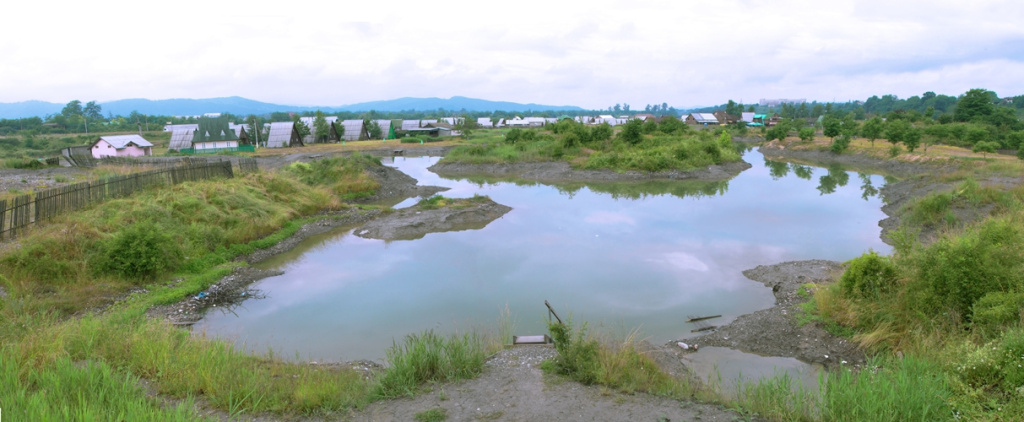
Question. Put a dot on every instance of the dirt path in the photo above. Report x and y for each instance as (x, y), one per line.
(513, 388)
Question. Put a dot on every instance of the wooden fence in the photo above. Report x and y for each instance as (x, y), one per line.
(25, 209)
(247, 165)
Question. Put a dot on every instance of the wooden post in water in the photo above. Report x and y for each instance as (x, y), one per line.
(551, 311)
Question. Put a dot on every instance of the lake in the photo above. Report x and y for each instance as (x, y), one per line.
(620, 256)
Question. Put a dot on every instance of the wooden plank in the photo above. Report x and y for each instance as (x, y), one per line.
(695, 319)
(542, 339)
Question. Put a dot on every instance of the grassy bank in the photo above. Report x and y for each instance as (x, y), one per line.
(653, 147)
(63, 359)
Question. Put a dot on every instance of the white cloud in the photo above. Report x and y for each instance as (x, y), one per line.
(593, 55)
(682, 261)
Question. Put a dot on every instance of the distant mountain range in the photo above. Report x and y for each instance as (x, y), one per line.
(244, 106)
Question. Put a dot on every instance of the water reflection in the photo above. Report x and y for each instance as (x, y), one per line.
(620, 190)
(835, 176)
(629, 255)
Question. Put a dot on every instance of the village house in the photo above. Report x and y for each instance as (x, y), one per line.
(283, 135)
(121, 146)
(354, 130)
(725, 118)
(701, 119)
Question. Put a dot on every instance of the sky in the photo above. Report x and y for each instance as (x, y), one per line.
(591, 54)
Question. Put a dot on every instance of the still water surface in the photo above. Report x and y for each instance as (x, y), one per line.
(618, 255)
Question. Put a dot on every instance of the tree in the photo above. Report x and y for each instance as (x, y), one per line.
(72, 108)
(322, 130)
(256, 128)
(849, 125)
(985, 147)
(912, 138)
(806, 134)
(831, 126)
(872, 129)
(376, 132)
(734, 109)
(93, 111)
(465, 125)
(976, 134)
(977, 103)
(300, 127)
(896, 131)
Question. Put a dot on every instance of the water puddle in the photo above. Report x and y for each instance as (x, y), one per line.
(727, 368)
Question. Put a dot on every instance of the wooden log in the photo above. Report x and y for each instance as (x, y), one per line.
(695, 319)
(710, 327)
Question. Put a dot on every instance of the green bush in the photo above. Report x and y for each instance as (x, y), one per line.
(577, 355)
(141, 250)
(997, 310)
(958, 271)
(631, 133)
(868, 275)
(806, 134)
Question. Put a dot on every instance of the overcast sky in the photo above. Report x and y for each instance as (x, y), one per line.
(591, 54)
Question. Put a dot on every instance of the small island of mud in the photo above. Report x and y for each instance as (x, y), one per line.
(415, 222)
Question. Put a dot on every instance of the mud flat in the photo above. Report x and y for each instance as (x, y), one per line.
(416, 222)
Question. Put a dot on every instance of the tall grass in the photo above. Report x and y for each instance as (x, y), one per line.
(623, 365)
(908, 389)
(86, 390)
(430, 357)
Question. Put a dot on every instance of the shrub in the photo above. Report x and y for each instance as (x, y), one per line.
(999, 363)
(513, 135)
(840, 144)
(806, 134)
(868, 275)
(632, 133)
(601, 132)
(958, 271)
(997, 310)
(140, 251)
(894, 151)
(577, 355)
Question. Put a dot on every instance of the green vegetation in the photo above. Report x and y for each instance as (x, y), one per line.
(668, 146)
(438, 201)
(953, 308)
(59, 360)
(621, 365)
(429, 357)
(432, 415)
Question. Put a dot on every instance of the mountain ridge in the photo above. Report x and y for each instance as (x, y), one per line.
(244, 106)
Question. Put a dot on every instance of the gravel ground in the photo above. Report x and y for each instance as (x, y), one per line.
(513, 388)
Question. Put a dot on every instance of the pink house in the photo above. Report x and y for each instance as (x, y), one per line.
(121, 146)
